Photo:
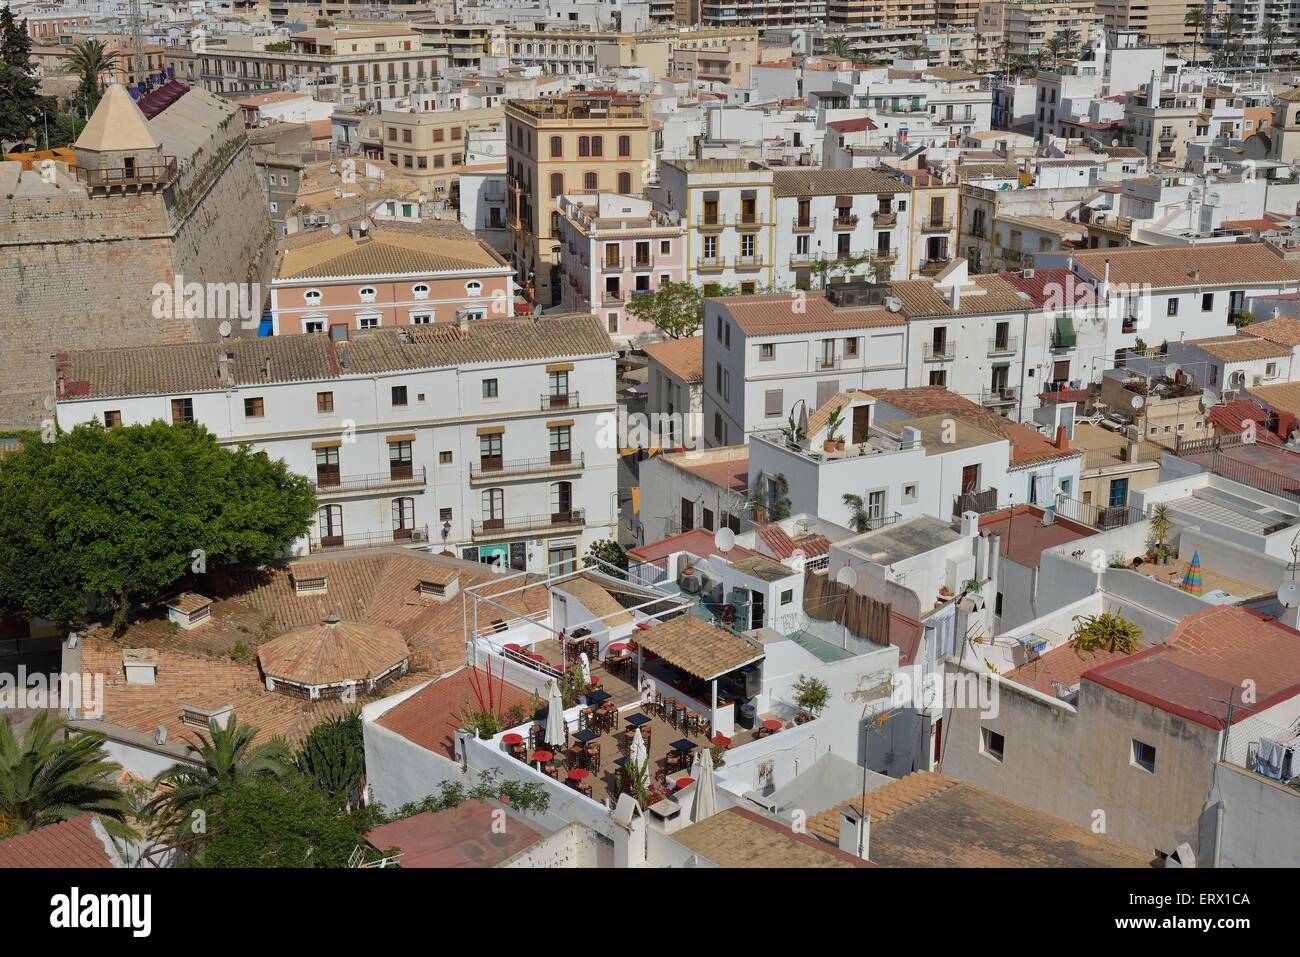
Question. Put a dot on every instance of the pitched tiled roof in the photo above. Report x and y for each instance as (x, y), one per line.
(860, 125)
(701, 649)
(1230, 416)
(822, 414)
(384, 253)
(1240, 348)
(179, 368)
(333, 652)
(1173, 266)
(430, 717)
(456, 837)
(1032, 448)
(684, 358)
(1062, 664)
(1283, 330)
(79, 842)
(737, 837)
(974, 171)
(1208, 657)
(1054, 288)
(784, 314)
(922, 299)
(929, 400)
(594, 597)
(927, 820)
(834, 182)
(783, 546)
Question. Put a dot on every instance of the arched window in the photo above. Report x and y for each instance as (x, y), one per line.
(590, 181)
(312, 297)
(625, 146)
(368, 293)
(420, 290)
(473, 288)
(625, 182)
(557, 185)
(562, 502)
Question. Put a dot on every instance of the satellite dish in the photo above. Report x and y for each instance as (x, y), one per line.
(847, 576)
(1115, 141)
(336, 229)
(724, 539)
(1172, 370)
(223, 330)
(1208, 399)
(1288, 593)
(1138, 401)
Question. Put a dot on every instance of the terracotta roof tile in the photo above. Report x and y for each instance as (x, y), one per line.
(784, 314)
(333, 652)
(1283, 330)
(698, 647)
(936, 400)
(834, 182)
(684, 358)
(431, 716)
(1241, 348)
(780, 544)
(79, 842)
(385, 253)
(921, 298)
(1173, 266)
(1062, 664)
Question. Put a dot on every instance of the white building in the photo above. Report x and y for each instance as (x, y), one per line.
(492, 439)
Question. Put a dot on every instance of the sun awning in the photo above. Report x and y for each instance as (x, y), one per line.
(701, 649)
(1065, 332)
(1002, 365)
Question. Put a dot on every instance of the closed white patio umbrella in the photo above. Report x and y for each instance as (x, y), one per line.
(636, 754)
(706, 796)
(555, 734)
(586, 667)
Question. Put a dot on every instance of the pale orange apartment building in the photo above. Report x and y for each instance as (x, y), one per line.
(579, 143)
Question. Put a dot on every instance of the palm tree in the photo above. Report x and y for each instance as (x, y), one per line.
(1229, 28)
(1063, 43)
(1271, 33)
(91, 60)
(838, 46)
(223, 756)
(1199, 21)
(51, 776)
(979, 44)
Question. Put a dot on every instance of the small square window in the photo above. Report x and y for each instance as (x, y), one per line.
(324, 401)
(992, 744)
(182, 410)
(444, 515)
(766, 352)
(445, 458)
(112, 419)
(489, 388)
(787, 596)
(253, 408)
(909, 493)
(1171, 307)
(399, 395)
(1144, 755)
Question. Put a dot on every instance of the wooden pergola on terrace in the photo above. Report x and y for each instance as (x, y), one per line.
(703, 650)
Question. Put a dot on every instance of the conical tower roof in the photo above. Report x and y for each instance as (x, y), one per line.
(116, 125)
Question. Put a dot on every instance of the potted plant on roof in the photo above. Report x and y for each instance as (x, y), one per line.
(1106, 631)
(832, 428)
(1162, 526)
(811, 696)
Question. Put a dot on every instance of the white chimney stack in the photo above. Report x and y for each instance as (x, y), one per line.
(855, 832)
(970, 524)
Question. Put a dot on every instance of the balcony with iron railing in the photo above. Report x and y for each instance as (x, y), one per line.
(883, 217)
(495, 468)
(710, 264)
(716, 221)
(823, 363)
(938, 352)
(883, 255)
(611, 265)
(845, 221)
(981, 501)
(932, 224)
(804, 224)
(415, 535)
(398, 476)
(559, 400)
(1006, 395)
(1002, 345)
(749, 262)
(502, 527)
(932, 267)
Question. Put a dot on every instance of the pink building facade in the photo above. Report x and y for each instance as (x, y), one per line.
(614, 247)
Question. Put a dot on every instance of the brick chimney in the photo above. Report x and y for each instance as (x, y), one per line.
(1062, 440)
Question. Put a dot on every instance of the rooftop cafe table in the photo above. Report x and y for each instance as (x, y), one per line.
(638, 719)
(683, 745)
(586, 735)
(720, 741)
(598, 697)
(619, 646)
(771, 724)
(577, 774)
(512, 738)
(682, 782)
(543, 757)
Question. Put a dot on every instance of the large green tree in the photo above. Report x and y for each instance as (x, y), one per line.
(283, 821)
(47, 777)
(119, 515)
(675, 308)
(21, 104)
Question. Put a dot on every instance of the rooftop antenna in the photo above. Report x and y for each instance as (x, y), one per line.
(137, 41)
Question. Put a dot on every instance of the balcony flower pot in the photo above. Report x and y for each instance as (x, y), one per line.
(828, 446)
(839, 444)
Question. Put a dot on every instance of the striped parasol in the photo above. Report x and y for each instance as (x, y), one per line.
(1192, 579)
